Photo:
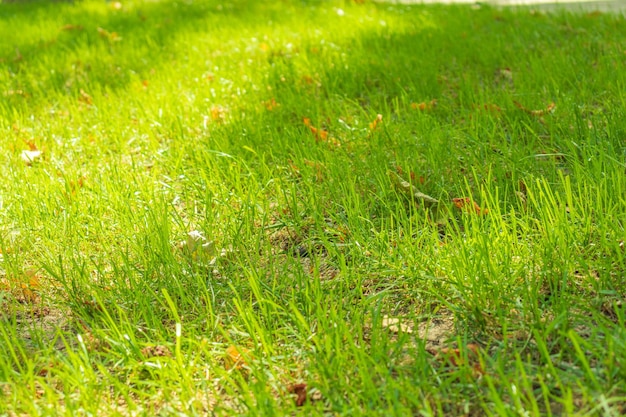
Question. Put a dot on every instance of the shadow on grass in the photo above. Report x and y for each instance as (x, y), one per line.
(108, 44)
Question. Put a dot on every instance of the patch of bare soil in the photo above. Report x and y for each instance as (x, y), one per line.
(435, 332)
(36, 323)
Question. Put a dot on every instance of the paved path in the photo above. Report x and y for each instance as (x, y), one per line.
(617, 6)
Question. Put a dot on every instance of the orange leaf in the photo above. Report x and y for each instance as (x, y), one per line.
(376, 122)
(424, 105)
(271, 104)
(29, 290)
(320, 134)
(415, 178)
(218, 113)
(31, 145)
(234, 358)
(467, 205)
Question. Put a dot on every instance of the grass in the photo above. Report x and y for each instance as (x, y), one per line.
(314, 281)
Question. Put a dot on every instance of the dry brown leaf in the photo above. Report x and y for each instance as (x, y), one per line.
(28, 287)
(85, 98)
(467, 205)
(455, 357)
(424, 105)
(300, 391)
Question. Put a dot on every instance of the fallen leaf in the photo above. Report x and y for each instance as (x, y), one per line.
(85, 98)
(235, 358)
(467, 205)
(300, 391)
(549, 109)
(455, 357)
(31, 145)
(29, 157)
(424, 105)
(29, 289)
(271, 104)
(320, 134)
(415, 178)
(376, 122)
(218, 113)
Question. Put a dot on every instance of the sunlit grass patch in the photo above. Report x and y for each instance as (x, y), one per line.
(314, 207)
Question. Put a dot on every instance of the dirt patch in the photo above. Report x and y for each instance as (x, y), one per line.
(37, 324)
(435, 332)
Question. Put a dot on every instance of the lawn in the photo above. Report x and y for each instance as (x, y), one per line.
(311, 208)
